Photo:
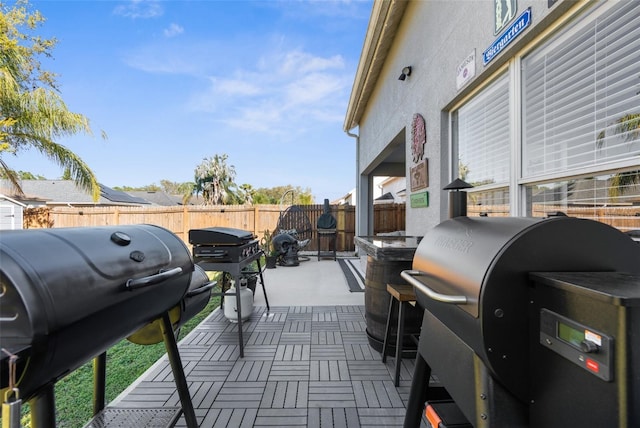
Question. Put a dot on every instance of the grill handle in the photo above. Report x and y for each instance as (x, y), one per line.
(408, 275)
(204, 287)
(163, 275)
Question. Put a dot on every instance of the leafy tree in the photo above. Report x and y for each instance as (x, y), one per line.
(32, 113)
(22, 175)
(215, 179)
(295, 195)
(174, 188)
(627, 127)
(147, 188)
(184, 189)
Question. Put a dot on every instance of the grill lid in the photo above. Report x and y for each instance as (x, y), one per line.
(219, 236)
(454, 257)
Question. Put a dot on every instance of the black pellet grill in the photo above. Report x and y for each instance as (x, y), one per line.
(529, 322)
(69, 294)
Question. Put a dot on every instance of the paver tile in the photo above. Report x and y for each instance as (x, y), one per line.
(302, 367)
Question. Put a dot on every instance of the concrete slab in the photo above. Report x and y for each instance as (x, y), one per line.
(313, 283)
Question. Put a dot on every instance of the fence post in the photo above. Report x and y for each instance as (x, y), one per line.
(185, 224)
(116, 216)
(256, 214)
(341, 225)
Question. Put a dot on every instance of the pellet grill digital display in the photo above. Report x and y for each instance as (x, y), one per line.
(580, 344)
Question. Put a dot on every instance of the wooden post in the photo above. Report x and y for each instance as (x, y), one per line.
(185, 224)
(341, 226)
(256, 215)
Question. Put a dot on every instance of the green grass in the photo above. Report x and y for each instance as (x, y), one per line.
(125, 363)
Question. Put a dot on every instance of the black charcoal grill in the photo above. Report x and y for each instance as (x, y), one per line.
(69, 294)
(529, 322)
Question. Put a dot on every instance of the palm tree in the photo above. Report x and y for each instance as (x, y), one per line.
(247, 192)
(215, 179)
(628, 126)
(32, 113)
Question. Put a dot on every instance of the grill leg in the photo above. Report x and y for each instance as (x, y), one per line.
(99, 381)
(43, 408)
(178, 372)
(418, 393)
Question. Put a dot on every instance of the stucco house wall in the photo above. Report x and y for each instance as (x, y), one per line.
(433, 37)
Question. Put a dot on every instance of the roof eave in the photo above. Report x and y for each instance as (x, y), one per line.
(383, 24)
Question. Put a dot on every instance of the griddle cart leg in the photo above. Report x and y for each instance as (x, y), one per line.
(178, 372)
(418, 393)
(236, 278)
(264, 290)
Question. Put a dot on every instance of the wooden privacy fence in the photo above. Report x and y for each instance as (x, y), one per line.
(625, 218)
(180, 219)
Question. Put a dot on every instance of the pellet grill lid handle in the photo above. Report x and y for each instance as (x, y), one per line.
(409, 275)
(133, 284)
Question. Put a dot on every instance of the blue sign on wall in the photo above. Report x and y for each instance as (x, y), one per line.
(513, 31)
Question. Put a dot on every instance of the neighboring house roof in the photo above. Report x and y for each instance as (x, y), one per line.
(384, 199)
(347, 199)
(11, 200)
(66, 192)
(157, 197)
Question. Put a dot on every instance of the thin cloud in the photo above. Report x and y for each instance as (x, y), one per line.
(305, 9)
(168, 57)
(289, 88)
(139, 9)
(173, 30)
(265, 94)
(301, 62)
(313, 88)
(259, 118)
(236, 87)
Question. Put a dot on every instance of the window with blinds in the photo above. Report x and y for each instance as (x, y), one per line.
(610, 198)
(581, 94)
(483, 136)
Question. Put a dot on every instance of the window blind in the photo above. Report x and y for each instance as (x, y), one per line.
(581, 94)
(484, 136)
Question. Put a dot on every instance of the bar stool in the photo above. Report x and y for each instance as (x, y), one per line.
(403, 294)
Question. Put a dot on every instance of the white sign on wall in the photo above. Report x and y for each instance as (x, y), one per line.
(466, 70)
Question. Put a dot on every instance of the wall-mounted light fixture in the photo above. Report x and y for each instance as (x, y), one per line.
(405, 72)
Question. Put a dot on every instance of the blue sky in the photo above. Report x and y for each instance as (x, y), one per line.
(172, 82)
